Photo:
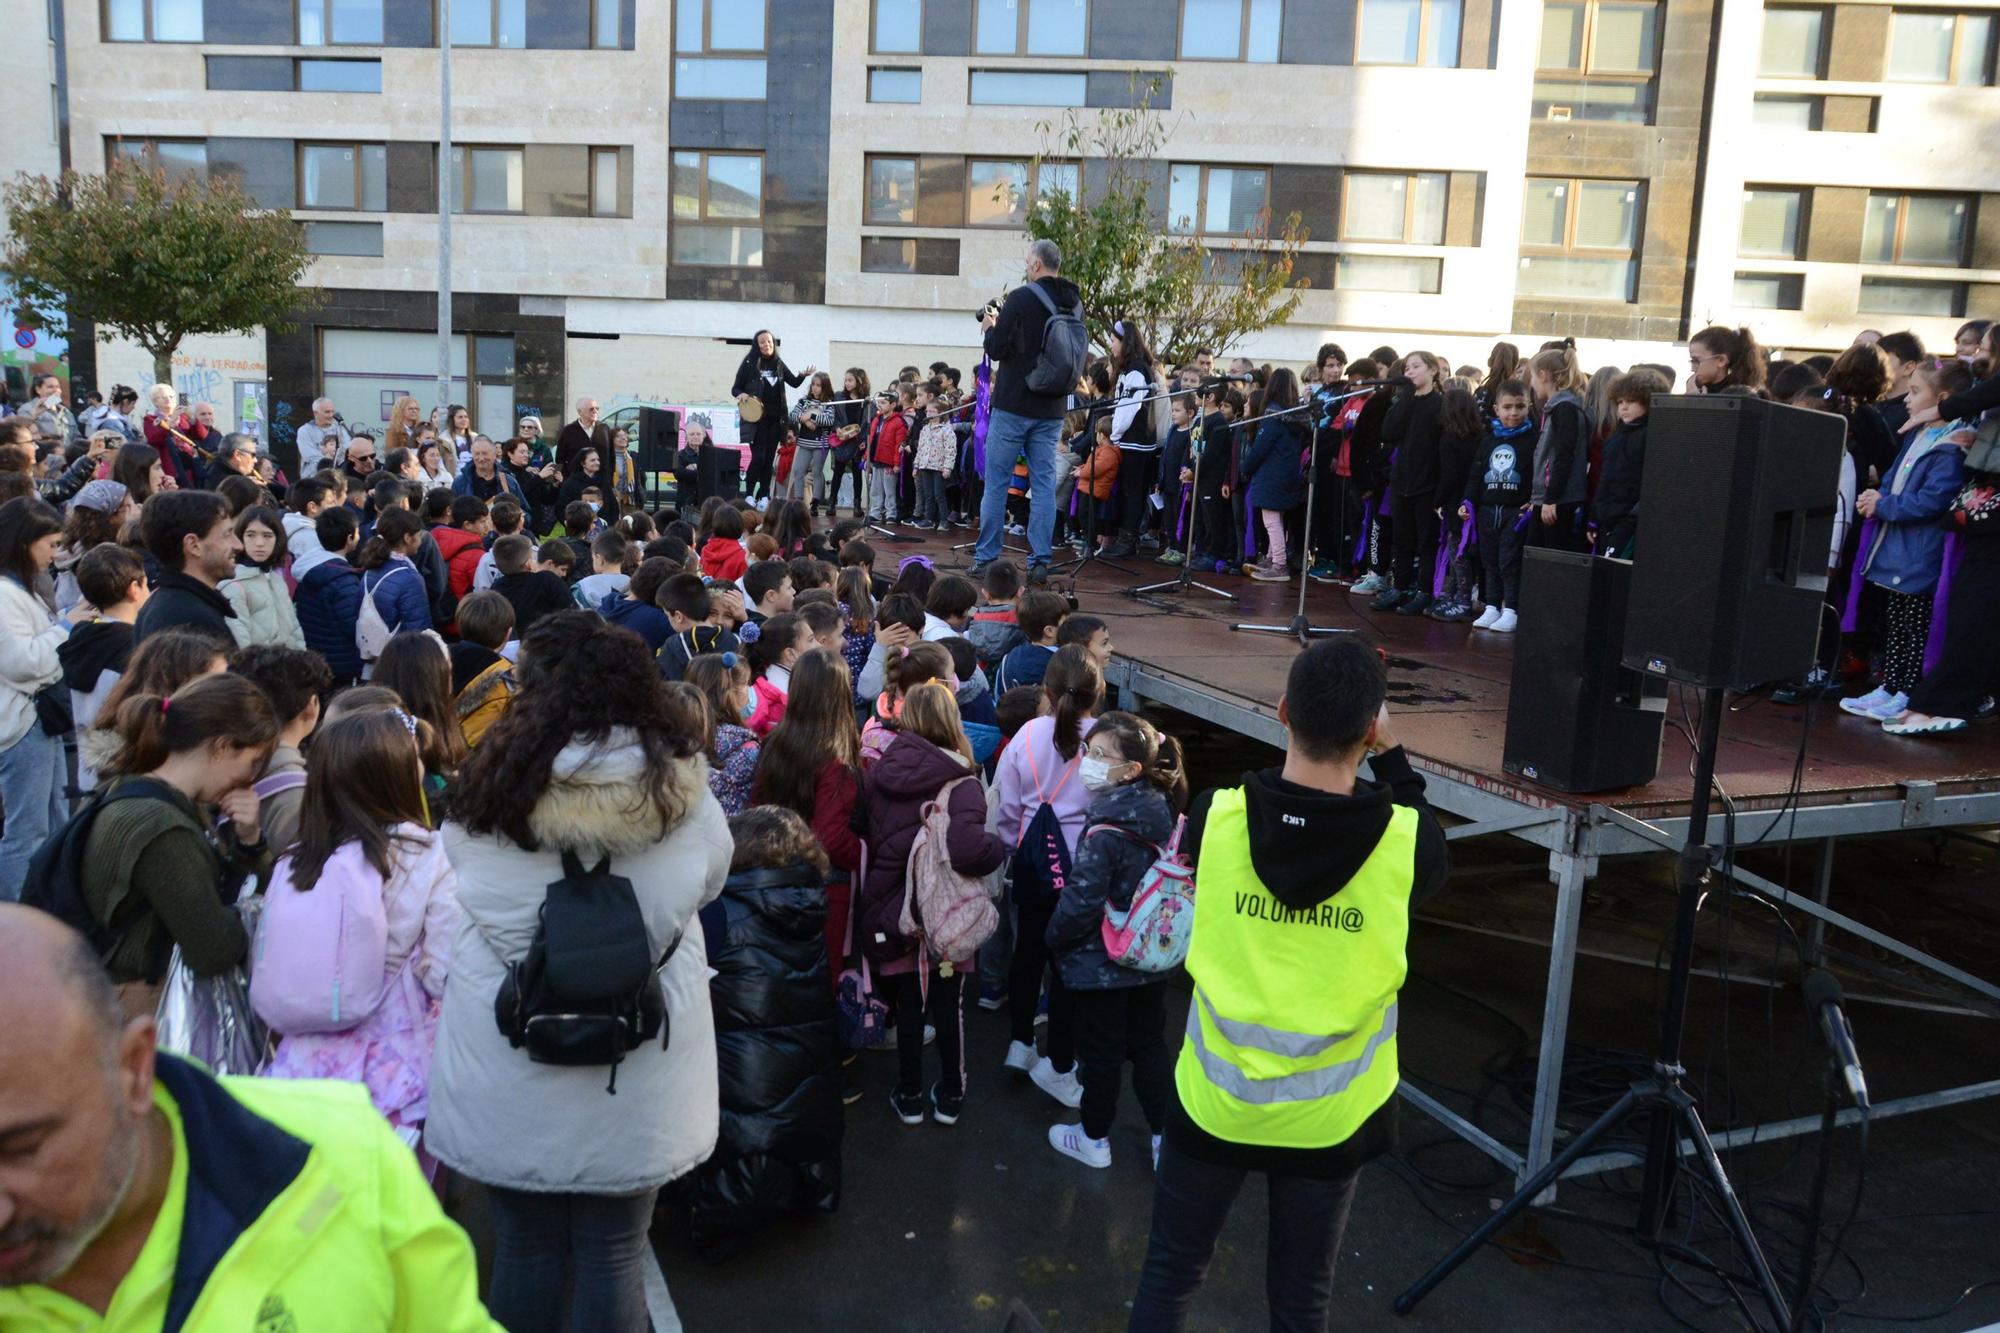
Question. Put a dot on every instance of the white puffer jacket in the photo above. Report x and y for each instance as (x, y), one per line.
(29, 636)
(263, 606)
(500, 1118)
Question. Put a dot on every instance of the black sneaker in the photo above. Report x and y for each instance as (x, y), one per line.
(978, 570)
(945, 1106)
(1038, 572)
(1417, 603)
(911, 1111)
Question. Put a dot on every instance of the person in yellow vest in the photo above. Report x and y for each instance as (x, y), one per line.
(1305, 878)
(141, 1194)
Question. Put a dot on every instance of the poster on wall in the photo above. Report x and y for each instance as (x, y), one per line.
(250, 415)
(29, 350)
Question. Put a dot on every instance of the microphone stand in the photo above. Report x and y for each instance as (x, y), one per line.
(1186, 578)
(1301, 628)
(1091, 555)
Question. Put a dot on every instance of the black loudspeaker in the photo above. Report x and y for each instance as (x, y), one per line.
(1576, 719)
(719, 472)
(1729, 574)
(659, 446)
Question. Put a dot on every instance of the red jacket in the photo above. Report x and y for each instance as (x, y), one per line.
(835, 791)
(724, 558)
(890, 430)
(176, 456)
(461, 551)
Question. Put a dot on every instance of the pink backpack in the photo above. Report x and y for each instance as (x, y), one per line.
(948, 910)
(1152, 933)
(322, 954)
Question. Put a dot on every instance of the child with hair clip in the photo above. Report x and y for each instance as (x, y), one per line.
(1137, 783)
(1905, 556)
(857, 603)
(363, 843)
(906, 668)
(724, 682)
(779, 643)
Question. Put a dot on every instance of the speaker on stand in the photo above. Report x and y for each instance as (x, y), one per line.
(659, 449)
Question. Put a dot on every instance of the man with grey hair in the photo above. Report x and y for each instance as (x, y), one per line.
(133, 1180)
(322, 439)
(586, 432)
(1024, 422)
(237, 457)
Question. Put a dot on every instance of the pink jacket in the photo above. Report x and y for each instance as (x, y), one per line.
(1032, 752)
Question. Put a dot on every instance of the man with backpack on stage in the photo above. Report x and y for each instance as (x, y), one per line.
(1305, 879)
(1038, 343)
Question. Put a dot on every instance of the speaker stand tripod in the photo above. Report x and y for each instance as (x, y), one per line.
(1661, 1092)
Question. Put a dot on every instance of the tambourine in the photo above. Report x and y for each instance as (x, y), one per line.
(750, 407)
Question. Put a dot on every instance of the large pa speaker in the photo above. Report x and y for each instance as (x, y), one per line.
(659, 439)
(1729, 574)
(719, 472)
(1577, 720)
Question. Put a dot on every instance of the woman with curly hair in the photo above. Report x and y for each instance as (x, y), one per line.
(596, 759)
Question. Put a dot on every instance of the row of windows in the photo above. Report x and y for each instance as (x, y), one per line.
(502, 23)
(1928, 230)
(1925, 46)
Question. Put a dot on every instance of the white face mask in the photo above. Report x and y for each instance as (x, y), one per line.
(1096, 773)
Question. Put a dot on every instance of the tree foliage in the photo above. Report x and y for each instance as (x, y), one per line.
(152, 258)
(1182, 293)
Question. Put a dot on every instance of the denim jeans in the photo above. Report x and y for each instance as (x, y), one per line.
(1191, 1201)
(598, 1240)
(34, 781)
(931, 504)
(1010, 436)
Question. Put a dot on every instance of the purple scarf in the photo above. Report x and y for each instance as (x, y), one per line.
(1954, 552)
(982, 412)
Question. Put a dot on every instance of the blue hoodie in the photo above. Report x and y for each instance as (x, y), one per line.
(648, 622)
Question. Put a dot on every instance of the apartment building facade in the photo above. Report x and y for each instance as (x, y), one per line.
(640, 186)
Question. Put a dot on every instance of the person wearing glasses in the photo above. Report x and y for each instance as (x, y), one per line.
(360, 459)
(1725, 361)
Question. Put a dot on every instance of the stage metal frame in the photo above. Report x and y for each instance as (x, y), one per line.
(1576, 837)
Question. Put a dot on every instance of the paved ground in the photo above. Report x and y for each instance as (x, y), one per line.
(950, 1228)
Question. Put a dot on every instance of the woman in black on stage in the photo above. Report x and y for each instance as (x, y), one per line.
(762, 380)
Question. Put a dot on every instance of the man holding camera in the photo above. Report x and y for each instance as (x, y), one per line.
(1024, 423)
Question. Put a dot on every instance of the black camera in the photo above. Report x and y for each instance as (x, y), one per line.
(991, 310)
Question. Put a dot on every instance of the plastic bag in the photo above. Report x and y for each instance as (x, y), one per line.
(209, 1019)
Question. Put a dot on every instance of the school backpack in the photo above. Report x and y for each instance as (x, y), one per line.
(949, 911)
(1151, 934)
(1041, 860)
(1065, 347)
(54, 881)
(865, 1019)
(322, 953)
(371, 631)
(587, 991)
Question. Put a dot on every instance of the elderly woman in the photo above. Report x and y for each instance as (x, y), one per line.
(175, 436)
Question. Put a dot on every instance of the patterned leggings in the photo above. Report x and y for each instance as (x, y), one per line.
(1909, 617)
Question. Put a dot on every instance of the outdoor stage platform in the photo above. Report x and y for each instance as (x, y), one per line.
(1448, 687)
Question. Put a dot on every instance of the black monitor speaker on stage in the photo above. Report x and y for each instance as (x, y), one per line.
(1576, 719)
(1729, 574)
(719, 471)
(659, 439)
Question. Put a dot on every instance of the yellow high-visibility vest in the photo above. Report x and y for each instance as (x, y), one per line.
(1291, 1037)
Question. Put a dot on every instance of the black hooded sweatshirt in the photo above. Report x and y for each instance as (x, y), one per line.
(1305, 845)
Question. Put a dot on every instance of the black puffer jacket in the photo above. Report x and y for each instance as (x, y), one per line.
(777, 1045)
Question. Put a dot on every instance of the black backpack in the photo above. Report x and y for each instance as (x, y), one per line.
(1065, 347)
(587, 992)
(55, 872)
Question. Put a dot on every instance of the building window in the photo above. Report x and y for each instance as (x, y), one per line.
(1215, 201)
(1794, 43)
(1029, 27)
(1231, 30)
(888, 254)
(344, 238)
(339, 76)
(1579, 239)
(1769, 291)
(895, 85)
(718, 209)
(1599, 60)
(1408, 32)
(604, 183)
(1056, 178)
(892, 191)
(176, 157)
(1394, 206)
(1901, 296)
(489, 23)
(489, 179)
(898, 27)
(607, 24)
(1929, 229)
(152, 20)
(1388, 273)
(340, 22)
(345, 175)
(996, 193)
(1785, 111)
(1941, 48)
(1020, 87)
(1773, 223)
(719, 50)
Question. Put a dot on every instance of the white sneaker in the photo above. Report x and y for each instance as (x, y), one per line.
(1368, 585)
(1866, 705)
(1020, 1057)
(1487, 617)
(1156, 1154)
(1505, 624)
(1071, 1141)
(1063, 1087)
(1891, 709)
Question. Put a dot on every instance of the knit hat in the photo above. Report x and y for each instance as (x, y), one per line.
(103, 496)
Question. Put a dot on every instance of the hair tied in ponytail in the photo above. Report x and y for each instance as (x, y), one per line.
(1569, 344)
(729, 661)
(750, 633)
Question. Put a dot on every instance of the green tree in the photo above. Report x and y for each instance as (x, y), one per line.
(1182, 293)
(152, 258)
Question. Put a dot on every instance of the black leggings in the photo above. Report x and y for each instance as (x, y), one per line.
(947, 1013)
(1138, 473)
(1114, 1027)
(1024, 985)
(856, 470)
(1416, 530)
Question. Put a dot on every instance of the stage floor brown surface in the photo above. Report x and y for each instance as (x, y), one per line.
(1448, 688)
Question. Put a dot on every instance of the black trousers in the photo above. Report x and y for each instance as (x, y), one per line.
(1114, 1027)
(1416, 528)
(1499, 554)
(946, 1012)
(1138, 473)
(1381, 539)
(763, 456)
(1024, 985)
(856, 470)
(1191, 1201)
(1971, 653)
(1565, 534)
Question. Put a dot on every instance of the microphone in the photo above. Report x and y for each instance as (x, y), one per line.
(1822, 994)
